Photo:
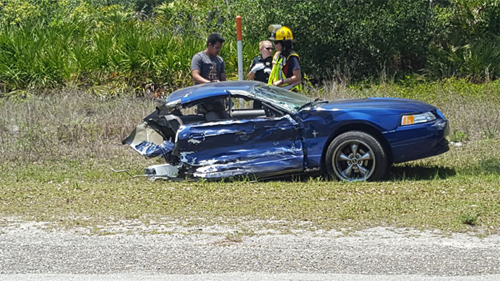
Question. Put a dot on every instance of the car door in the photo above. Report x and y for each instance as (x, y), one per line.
(263, 146)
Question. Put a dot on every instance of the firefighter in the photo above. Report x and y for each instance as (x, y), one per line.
(286, 66)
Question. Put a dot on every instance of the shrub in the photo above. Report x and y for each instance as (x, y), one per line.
(46, 43)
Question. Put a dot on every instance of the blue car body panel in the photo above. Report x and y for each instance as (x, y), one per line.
(297, 140)
(407, 142)
(203, 91)
(237, 147)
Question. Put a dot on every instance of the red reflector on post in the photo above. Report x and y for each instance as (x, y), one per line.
(238, 28)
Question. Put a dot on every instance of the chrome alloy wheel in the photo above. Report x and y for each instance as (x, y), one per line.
(356, 156)
(354, 161)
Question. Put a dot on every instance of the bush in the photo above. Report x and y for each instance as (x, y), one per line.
(469, 41)
(47, 43)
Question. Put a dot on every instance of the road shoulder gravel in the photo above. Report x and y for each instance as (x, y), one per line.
(33, 249)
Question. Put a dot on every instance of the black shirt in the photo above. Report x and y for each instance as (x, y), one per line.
(263, 74)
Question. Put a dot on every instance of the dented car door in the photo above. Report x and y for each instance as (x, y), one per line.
(263, 146)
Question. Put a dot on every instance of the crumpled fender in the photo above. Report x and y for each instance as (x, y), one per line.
(148, 142)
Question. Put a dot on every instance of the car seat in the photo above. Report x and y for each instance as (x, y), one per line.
(213, 109)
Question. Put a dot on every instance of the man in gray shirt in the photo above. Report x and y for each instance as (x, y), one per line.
(207, 66)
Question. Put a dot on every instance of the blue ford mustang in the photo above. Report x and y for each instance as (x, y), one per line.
(239, 128)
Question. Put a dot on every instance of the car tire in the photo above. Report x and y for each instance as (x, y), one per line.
(356, 156)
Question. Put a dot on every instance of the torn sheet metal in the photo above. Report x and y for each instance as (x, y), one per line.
(151, 150)
(258, 161)
(261, 146)
(162, 171)
(148, 142)
(256, 146)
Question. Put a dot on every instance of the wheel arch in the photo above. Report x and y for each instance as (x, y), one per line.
(361, 127)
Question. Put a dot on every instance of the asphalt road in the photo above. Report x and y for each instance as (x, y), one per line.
(29, 251)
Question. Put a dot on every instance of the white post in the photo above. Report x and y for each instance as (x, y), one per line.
(240, 48)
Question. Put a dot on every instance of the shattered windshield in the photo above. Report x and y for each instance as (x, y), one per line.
(281, 97)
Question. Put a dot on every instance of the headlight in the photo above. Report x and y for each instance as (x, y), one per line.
(417, 118)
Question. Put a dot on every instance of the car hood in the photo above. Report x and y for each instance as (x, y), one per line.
(382, 104)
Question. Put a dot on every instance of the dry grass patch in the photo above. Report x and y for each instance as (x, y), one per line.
(57, 151)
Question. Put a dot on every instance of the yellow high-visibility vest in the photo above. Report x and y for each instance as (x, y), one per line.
(277, 73)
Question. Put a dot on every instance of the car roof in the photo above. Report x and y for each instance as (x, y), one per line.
(203, 91)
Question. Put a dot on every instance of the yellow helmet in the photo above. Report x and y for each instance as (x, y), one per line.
(280, 33)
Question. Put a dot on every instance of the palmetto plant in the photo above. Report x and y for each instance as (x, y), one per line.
(46, 44)
(90, 45)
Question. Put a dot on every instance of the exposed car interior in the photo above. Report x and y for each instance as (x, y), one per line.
(168, 121)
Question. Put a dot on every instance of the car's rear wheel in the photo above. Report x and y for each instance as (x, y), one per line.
(356, 156)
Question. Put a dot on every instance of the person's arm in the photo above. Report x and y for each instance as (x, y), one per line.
(296, 74)
(197, 78)
(296, 77)
(223, 72)
(251, 76)
(196, 63)
(256, 66)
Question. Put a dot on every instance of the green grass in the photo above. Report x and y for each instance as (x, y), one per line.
(89, 194)
(58, 150)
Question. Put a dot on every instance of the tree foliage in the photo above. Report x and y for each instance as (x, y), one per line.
(46, 43)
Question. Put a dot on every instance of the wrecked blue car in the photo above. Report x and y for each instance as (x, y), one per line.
(247, 128)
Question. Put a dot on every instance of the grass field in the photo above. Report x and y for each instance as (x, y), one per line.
(58, 150)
